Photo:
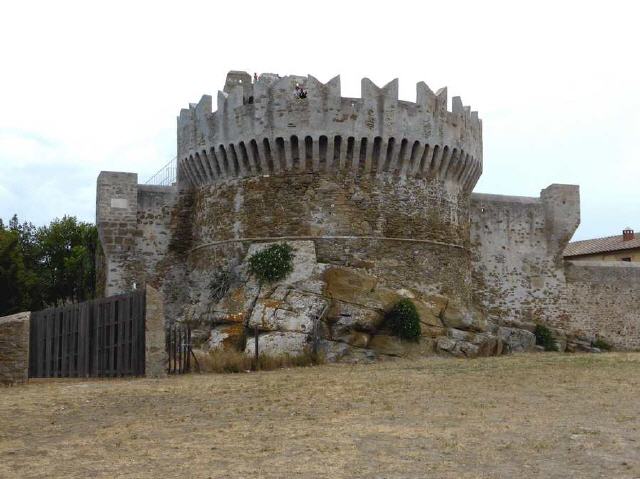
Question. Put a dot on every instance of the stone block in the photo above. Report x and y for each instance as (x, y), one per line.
(389, 345)
(335, 351)
(279, 343)
(226, 337)
(14, 348)
(155, 335)
(460, 317)
(296, 312)
(357, 339)
(517, 340)
(347, 317)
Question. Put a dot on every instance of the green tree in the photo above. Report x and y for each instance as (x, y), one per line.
(46, 266)
(67, 253)
(13, 289)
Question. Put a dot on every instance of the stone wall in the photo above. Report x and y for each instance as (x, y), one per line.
(264, 128)
(14, 348)
(519, 275)
(517, 243)
(135, 224)
(155, 335)
(116, 217)
(603, 300)
(411, 233)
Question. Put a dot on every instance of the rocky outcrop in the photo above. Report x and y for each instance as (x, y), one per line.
(342, 310)
(517, 340)
(278, 343)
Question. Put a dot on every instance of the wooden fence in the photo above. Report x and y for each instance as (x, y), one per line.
(103, 337)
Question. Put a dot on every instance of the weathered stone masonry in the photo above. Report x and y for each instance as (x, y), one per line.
(520, 277)
(377, 184)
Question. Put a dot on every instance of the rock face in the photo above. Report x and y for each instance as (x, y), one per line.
(226, 336)
(517, 340)
(344, 308)
(279, 343)
(287, 310)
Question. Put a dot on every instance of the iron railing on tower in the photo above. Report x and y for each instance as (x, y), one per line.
(166, 176)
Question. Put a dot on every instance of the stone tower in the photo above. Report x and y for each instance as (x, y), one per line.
(376, 195)
(375, 182)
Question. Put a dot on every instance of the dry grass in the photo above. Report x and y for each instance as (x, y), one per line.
(231, 361)
(524, 416)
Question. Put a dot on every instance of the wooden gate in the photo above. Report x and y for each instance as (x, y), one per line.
(179, 349)
(103, 337)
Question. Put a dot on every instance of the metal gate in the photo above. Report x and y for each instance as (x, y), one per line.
(179, 349)
(103, 337)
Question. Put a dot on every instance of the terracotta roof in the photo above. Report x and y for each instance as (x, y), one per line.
(601, 245)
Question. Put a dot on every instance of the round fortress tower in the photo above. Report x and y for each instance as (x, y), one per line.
(375, 182)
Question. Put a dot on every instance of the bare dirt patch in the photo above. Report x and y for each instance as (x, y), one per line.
(544, 415)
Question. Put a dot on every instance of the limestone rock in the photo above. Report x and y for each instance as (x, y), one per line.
(423, 347)
(466, 349)
(235, 305)
(357, 339)
(445, 344)
(347, 317)
(433, 331)
(459, 317)
(488, 344)
(226, 336)
(279, 343)
(351, 286)
(517, 340)
(458, 348)
(290, 311)
(459, 335)
(335, 351)
(389, 345)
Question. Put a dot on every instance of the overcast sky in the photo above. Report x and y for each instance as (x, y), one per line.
(90, 86)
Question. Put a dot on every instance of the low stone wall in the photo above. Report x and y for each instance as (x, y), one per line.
(603, 301)
(155, 335)
(14, 348)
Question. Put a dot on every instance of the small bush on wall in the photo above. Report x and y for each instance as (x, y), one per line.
(403, 320)
(602, 344)
(273, 263)
(544, 338)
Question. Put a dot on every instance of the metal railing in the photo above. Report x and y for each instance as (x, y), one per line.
(166, 176)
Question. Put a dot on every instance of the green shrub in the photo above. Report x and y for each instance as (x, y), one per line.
(602, 344)
(273, 263)
(403, 320)
(544, 338)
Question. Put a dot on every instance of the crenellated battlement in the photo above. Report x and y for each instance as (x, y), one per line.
(262, 127)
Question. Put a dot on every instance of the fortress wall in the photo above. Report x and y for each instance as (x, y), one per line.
(116, 218)
(155, 207)
(603, 300)
(277, 132)
(517, 246)
(134, 228)
(412, 233)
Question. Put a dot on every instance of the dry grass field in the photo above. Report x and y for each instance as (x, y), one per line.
(521, 416)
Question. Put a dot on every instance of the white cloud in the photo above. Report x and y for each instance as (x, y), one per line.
(102, 82)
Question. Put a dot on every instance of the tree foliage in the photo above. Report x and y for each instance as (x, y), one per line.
(46, 266)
